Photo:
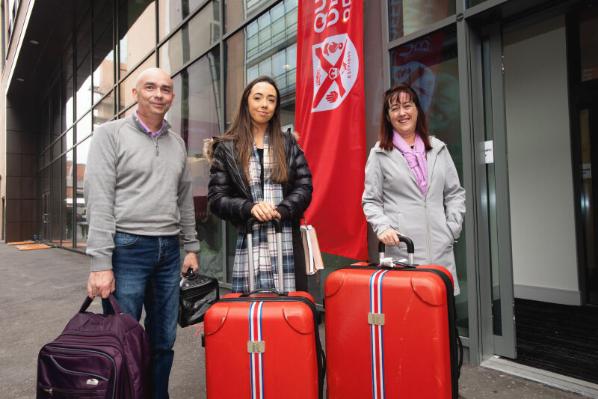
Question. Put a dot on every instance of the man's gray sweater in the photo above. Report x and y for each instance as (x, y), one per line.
(136, 184)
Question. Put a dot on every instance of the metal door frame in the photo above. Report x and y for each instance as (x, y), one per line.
(493, 92)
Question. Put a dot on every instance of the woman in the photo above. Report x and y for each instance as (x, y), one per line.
(257, 170)
(412, 185)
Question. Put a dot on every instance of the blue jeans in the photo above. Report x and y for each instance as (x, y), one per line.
(147, 273)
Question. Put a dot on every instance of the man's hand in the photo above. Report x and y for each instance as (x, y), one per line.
(101, 283)
(389, 237)
(190, 262)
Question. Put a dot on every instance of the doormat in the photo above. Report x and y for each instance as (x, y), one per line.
(20, 242)
(31, 247)
(558, 338)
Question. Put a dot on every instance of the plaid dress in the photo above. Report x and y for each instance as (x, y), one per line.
(264, 236)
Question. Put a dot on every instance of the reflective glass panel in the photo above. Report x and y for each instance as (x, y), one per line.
(430, 66)
(67, 238)
(67, 104)
(237, 11)
(67, 91)
(194, 38)
(173, 12)
(472, 3)
(83, 65)
(68, 139)
(408, 16)
(137, 32)
(195, 115)
(56, 193)
(45, 203)
(81, 222)
(103, 51)
(84, 127)
(588, 42)
(126, 87)
(55, 112)
(104, 111)
(267, 46)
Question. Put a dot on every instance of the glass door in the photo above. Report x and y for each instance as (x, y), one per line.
(45, 216)
(494, 262)
(585, 89)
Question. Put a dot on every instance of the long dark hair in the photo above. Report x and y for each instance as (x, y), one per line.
(240, 133)
(386, 131)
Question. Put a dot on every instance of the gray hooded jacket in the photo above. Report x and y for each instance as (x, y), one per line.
(392, 199)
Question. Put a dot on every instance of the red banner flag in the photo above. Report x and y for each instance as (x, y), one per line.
(330, 119)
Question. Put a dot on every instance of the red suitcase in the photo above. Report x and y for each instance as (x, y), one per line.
(390, 332)
(263, 345)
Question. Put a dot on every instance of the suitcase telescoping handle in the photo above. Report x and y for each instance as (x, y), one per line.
(410, 249)
(278, 229)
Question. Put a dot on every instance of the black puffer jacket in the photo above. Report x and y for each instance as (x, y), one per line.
(229, 196)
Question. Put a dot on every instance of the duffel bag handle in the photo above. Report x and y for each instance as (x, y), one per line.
(111, 299)
(410, 249)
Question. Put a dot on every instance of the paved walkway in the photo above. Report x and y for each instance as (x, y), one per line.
(41, 290)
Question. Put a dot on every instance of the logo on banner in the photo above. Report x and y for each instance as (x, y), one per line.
(336, 65)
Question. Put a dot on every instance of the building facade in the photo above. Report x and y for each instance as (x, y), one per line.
(509, 85)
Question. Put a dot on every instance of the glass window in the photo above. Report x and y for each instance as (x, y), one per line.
(408, 16)
(235, 70)
(472, 3)
(195, 115)
(271, 30)
(55, 112)
(83, 65)
(237, 11)
(259, 50)
(67, 237)
(192, 40)
(81, 223)
(104, 111)
(84, 127)
(430, 66)
(67, 81)
(103, 51)
(68, 139)
(173, 12)
(56, 193)
(137, 32)
(588, 41)
(126, 87)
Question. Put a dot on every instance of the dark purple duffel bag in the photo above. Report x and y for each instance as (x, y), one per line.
(96, 356)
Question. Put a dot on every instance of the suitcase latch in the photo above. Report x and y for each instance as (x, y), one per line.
(256, 346)
(376, 319)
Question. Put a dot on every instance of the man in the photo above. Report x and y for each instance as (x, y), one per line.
(139, 199)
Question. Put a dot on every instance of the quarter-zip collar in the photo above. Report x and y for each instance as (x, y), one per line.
(154, 136)
(145, 129)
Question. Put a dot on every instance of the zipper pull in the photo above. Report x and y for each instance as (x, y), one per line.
(156, 145)
(48, 391)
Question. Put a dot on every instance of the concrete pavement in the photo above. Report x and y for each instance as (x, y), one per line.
(41, 290)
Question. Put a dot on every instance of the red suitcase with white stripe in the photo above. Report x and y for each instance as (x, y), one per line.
(390, 332)
(263, 345)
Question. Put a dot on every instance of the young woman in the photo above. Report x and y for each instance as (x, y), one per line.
(257, 170)
(412, 185)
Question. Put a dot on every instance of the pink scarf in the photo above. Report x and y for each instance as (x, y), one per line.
(415, 157)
